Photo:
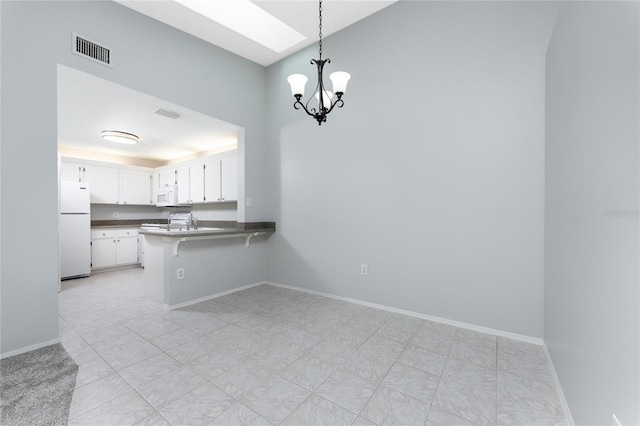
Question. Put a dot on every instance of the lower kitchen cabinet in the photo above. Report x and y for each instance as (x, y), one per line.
(114, 247)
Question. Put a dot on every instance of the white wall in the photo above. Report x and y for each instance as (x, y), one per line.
(592, 298)
(148, 56)
(432, 173)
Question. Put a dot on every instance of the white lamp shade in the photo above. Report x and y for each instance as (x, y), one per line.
(326, 99)
(339, 80)
(297, 82)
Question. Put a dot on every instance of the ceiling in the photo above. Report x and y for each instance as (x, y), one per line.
(87, 105)
(301, 15)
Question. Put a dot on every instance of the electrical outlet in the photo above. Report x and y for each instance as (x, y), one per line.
(248, 203)
(180, 273)
(115, 215)
(364, 269)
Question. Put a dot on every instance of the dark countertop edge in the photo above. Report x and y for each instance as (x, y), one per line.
(238, 226)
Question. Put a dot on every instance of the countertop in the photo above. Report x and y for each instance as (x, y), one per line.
(206, 228)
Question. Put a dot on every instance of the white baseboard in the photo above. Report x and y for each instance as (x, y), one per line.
(213, 296)
(563, 400)
(473, 327)
(30, 348)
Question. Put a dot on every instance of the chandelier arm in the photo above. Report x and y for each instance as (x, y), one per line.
(310, 111)
(299, 105)
(338, 102)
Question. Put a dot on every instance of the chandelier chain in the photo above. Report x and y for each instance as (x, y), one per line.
(320, 27)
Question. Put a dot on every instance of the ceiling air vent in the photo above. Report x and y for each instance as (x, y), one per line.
(91, 50)
(168, 114)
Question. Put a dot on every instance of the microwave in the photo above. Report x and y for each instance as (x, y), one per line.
(167, 196)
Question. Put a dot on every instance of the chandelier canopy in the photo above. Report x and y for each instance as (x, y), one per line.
(325, 99)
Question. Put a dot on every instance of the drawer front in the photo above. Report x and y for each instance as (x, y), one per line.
(128, 232)
(97, 234)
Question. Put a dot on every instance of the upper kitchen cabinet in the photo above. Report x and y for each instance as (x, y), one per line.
(165, 177)
(110, 185)
(213, 179)
(221, 179)
(229, 177)
(103, 184)
(191, 183)
(196, 183)
(135, 187)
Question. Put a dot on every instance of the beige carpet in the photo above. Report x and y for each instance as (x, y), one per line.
(36, 387)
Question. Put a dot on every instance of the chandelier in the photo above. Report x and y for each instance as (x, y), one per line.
(324, 98)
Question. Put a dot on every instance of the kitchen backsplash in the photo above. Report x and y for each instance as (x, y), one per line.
(222, 211)
(111, 211)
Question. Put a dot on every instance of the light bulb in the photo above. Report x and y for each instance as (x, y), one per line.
(326, 99)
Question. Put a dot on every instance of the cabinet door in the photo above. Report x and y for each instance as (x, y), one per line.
(212, 181)
(103, 252)
(127, 251)
(135, 187)
(229, 178)
(70, 172)
(166, 177)
(196, 183)
(183, 185)
(104, 185)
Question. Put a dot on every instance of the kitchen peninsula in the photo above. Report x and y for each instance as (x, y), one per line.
(186, 265)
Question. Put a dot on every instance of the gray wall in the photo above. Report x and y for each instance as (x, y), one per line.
(432, 173)
(591, 237)
(148, 56)
(209, 267)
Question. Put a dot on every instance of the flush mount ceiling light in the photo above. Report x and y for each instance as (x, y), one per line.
(120, 137)
(322, 96)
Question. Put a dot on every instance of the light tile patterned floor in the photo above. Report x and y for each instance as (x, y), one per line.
(268, 355)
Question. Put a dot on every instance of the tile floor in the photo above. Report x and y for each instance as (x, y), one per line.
(268, 355)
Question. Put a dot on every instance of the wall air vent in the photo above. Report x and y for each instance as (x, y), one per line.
(80, 45)
(168, 114)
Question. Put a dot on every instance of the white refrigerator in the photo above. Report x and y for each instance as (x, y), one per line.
(75, 230)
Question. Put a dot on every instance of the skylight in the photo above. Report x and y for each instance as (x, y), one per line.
(247, 19)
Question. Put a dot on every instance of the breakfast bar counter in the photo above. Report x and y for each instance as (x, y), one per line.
(183, 265)
(177, 235)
